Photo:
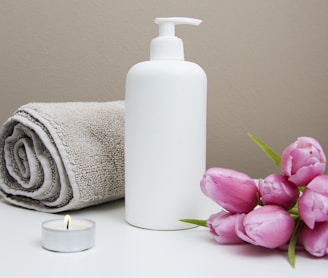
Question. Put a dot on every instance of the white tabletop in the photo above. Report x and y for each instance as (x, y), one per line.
(125, 251)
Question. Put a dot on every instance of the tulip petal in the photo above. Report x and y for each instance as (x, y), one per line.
(315, 241)
(275, 189)
(305, 207)
(313, 204)
(232, 190)
(303, 160)
(222, 226)
(268, 226)
(305, 174)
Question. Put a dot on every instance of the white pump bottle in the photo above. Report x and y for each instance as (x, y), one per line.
(165, 134)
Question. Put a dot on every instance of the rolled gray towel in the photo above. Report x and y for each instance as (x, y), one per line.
(63, 156)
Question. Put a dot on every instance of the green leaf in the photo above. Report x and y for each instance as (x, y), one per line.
(195, 222)
(266, 149)
(292, 243)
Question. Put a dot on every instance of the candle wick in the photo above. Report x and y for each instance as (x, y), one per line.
(67, 219)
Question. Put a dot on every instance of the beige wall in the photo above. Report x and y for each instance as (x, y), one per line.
(266, 60)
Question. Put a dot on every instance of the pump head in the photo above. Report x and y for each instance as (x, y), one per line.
(167, 46)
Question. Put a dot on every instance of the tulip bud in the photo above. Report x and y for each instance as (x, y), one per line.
(232, 190)
(269, 226)
(303, 160)
(277, 190)
(222, 226)
(315, 240)
(313, 204)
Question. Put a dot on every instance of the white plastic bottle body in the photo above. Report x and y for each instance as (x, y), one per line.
(165, 143)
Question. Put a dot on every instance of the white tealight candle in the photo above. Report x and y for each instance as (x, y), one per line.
(68, 235)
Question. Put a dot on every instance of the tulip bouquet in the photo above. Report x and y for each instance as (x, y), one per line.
(289, 208)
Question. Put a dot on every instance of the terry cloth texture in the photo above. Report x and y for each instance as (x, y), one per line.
(63, 156)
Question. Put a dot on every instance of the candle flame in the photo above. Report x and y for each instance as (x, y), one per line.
(67, 220)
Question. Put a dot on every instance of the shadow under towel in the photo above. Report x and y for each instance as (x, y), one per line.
(63, 156)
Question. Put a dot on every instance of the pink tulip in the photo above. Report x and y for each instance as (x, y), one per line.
(232, 190)
(277, 190)
(222, 226)
(315, 240)
(303, 160)
(269, 226)
(313, 204)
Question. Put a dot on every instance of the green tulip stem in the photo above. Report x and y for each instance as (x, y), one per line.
(292, 242)
(294, 211)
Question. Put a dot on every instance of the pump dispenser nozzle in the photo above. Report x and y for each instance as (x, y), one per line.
(167, 46)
